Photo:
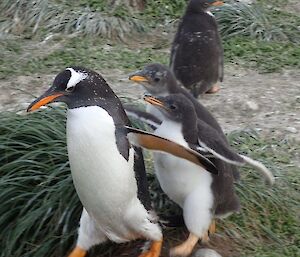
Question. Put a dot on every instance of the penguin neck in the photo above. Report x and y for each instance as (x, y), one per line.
(189, 129)
(102, 97)
(195, 9)
(173, 85)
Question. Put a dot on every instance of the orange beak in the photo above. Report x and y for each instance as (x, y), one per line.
(217, 3)
(154, 101)
(137, 78)
(42, 100)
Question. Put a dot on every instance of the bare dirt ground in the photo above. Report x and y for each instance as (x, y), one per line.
(221, 245)
(268, 103)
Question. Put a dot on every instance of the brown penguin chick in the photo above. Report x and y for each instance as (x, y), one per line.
(197, 52)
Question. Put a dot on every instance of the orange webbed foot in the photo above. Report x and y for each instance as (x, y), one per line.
(213, 89)
(154, 250)
(186, 248)
(78, 252)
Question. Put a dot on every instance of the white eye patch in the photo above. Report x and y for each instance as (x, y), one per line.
(209, 13)
(76, 77)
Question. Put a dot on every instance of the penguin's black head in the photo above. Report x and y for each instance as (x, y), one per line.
(154, 77)
(202, 5)
(77, 87)
(175, 107)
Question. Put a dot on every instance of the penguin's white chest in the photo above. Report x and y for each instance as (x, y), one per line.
(103, 178)
(152, 110)
(178, 178)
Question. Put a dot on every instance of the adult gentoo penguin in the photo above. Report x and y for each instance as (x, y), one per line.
(108, 172)
(202, 196)
(158, 80)
(197, 53)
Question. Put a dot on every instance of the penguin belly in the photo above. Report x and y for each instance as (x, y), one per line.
(179, 178)
(103, 178)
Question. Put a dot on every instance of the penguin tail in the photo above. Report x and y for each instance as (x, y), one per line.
(261, 168)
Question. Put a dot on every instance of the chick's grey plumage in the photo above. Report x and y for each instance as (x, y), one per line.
(160, 81)
(201, 195)
(197, 52)
(194, 130)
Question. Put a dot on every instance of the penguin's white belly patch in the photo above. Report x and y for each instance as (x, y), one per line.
(178, 177)
(103, 178)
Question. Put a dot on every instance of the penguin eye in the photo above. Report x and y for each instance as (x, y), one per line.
(70, 89)
(173, 107)
(156, 79)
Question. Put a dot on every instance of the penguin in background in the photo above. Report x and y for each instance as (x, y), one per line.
(108, 171)
(201, 195)
(197, 53)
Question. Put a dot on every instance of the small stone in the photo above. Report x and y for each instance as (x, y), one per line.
(291, 129)
(206, 252)
(252, 105)
(107, 47)
(247, 1)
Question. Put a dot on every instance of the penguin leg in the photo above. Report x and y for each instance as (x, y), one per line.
(197, 217)
(214, 89)
(144, 224)
(78, 252)
(88, 236)
(186, 248)
(154, 250)
(212, 227)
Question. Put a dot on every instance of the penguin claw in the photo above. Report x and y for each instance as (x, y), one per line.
(205, 238)
(212, 228)
(180, 251)
(186, 248)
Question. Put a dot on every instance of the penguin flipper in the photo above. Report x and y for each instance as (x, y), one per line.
(143, 116)
(213, 144)
(141, 179)
(155, 143)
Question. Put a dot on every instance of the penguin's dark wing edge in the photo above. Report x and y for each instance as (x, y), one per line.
(141, 178)
(213, 145)
(155, 143)
(221, 56)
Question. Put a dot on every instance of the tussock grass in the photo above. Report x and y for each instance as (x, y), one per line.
(40, 210)
(258, 22)
(268, 224)
(39, 207)
(49, 16)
